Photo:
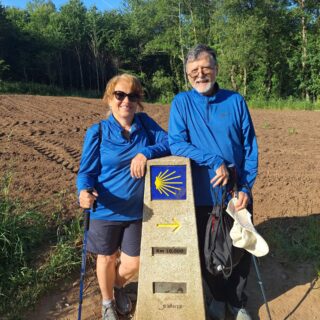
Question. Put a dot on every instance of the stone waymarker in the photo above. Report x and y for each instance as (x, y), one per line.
(169, 286)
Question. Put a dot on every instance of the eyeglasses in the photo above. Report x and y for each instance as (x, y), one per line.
(120, 95)
(195, 72)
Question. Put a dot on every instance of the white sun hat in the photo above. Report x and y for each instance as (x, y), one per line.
(243, 233)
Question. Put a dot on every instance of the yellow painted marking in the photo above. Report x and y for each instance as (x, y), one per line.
(164, 185)
(175, 225)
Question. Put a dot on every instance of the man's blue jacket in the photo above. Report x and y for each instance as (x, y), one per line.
(211, 130)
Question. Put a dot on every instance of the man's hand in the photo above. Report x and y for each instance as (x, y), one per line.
(87, 199)
(242, 202)
(221, 177)
(138, 166)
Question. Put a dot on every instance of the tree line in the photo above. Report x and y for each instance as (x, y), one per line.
(266, 48)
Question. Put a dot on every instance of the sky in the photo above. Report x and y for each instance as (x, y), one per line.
(102, 5)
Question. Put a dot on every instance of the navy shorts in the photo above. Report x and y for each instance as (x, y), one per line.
(106, 237)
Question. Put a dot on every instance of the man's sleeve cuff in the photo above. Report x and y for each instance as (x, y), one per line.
(217, 164)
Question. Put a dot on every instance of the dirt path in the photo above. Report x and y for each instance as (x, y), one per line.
(40, 147)
(293, 293)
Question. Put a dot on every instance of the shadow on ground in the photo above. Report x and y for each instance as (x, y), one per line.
(289, 288)
(280, 276)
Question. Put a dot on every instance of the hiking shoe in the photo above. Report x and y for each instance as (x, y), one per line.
(109, 312)
(123, 302)
(239, 313)
(217, 310)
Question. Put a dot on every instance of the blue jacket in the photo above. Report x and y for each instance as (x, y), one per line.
(211, 131)
(106, 166)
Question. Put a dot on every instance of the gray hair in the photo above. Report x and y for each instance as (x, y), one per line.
(197, 50)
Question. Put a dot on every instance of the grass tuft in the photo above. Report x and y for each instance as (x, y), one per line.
(32, 88)
(296, 240)
(283, 104)
(24, 274)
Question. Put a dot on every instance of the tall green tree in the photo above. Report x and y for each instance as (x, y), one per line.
(41, 25)
(266, 48)
(95, 29)
(5, 38)
(306, 13)
(23, 46)
(72, 22)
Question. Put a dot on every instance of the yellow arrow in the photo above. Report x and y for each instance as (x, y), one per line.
(175, 225)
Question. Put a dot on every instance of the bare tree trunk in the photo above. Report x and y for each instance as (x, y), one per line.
(245, 77)
(60, 69)
(70, 73)
(25, 74)
(232, 78)
(194, 28)
(304, 43)
(97, 75)
(103, 64)
(95, 53)
(269, 84)
(80, 68)
(50, 77)
(181, 50)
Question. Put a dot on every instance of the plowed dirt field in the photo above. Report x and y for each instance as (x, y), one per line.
(40, 148)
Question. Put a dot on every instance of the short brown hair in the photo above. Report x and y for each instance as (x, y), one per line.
(134, 82)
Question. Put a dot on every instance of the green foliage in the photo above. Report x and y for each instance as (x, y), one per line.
(20, 233)
(3, 68)
(43, 89)
(281, 104)
(266, 49)
(164, 86)
(25, 271)
(266, 125)
(296, 241)
(292, 131)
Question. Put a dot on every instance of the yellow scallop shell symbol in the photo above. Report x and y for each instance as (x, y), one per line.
(164, 183)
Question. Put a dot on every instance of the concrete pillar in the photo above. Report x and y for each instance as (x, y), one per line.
(170, 286)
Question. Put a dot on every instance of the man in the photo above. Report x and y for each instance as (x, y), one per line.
(213, 128)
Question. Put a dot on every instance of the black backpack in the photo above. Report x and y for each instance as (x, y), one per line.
(220, 255)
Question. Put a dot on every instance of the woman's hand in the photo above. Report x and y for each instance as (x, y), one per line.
(138, 166)
(86, 198)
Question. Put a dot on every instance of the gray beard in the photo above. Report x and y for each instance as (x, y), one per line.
(207, 91)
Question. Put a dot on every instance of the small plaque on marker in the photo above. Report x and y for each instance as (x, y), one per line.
(169, 250)
(169, 287)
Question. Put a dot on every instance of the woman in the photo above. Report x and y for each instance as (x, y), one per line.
(113, 164)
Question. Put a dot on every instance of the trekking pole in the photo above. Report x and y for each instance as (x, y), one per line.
(86, 213)
(261, 285)
(233, 177)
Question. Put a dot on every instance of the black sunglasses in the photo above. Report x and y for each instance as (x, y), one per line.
(120, 95)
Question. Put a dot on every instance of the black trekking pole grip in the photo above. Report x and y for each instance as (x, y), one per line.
(86, 219)
(86, 213)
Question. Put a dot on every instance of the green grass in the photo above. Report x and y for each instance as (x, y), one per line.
(282, 104)
(42, 89)
(266, 125)
(7, 87)
(296, 239)
(292, 131)
(35, 252)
